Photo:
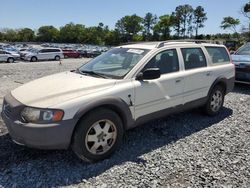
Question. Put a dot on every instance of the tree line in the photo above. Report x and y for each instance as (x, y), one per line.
(184, 22)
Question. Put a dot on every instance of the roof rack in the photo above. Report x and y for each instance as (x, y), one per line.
(197, 41)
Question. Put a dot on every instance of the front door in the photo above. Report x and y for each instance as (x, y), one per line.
(162, 93)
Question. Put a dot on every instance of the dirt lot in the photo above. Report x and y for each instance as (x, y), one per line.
(183, 150)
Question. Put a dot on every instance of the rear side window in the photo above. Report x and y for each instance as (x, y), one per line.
(218, 55)
(193, 58)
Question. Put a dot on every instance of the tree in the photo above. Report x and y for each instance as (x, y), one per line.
(230, 23)
(199, 18)
(10, 35)
(163, 27)
(48, 34)
(182, 18)
(1, 36)
(149, 22)
(73, 33)
(246, 10)
(129, 26)
(26, 35)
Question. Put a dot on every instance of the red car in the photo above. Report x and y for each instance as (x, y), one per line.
(71, 53)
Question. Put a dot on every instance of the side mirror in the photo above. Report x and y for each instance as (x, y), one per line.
(232, 52)
(149, 74)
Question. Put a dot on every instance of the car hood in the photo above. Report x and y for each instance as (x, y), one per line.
(237, 59)
(54, 89)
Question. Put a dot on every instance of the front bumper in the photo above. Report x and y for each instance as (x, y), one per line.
(242, 73)
(40, 136)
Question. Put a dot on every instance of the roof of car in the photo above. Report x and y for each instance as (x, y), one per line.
(153, 45)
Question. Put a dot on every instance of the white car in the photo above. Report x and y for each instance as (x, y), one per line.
(90, 109)
(7, 57)
(14, 54)
(44, 54)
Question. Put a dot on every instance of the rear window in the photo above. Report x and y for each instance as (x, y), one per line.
(218, 55)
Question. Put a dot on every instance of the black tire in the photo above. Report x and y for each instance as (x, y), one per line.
(33, 59)
(211, 109)
(81, 146)
(10, 60)
(57, 58)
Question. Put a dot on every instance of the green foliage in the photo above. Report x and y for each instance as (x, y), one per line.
(163, 27)
(182, 20)
(26, 35)
(128, 26)
(72, 33)
(230, 23)
(199, 18)
(48, 34)
(149, 22)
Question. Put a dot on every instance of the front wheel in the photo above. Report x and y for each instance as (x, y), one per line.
(215, 101)
(97, 135)
(10, 60)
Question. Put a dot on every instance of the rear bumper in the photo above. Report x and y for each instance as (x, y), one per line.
(230, 84)
(41, 136)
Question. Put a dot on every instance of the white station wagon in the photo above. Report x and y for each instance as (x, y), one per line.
(89, 109)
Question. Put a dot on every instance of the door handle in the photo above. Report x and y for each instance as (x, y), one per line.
(209, 73)
(178, 80)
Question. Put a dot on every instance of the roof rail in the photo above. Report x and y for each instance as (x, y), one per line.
(197, 41)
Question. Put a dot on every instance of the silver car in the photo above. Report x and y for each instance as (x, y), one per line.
(6, 57)
(44, 54)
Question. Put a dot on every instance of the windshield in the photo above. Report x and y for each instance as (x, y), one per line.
(115, 63)
(244, 50)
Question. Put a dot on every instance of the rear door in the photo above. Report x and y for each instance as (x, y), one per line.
(162, 93)
(42, 54)
(220, 62)
(2, 56)
(198, 79)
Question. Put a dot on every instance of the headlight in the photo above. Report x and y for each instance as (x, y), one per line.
(36, 115)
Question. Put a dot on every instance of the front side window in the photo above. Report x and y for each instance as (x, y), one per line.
(115, 63)
(218, 55)
(167, 61)
(193, 58)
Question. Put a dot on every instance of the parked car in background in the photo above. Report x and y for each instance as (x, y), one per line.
(6, 57)
(71, 53)
(93, 53)
(44, 54)
(27, 51)
(90, 108)
(14, 54)
(241, 59)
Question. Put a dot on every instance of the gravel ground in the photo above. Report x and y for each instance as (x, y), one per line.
(183, 150)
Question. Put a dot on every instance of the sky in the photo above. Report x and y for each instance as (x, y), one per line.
(35, 13)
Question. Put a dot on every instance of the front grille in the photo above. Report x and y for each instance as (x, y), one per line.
(12, 108)
(7, 109)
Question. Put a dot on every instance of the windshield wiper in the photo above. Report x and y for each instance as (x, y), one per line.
(93, 73)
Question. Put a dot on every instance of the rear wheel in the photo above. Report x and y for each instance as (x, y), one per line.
(33, 59)
(10, 60)
(57, 58)
(215, 101)
(97, 135)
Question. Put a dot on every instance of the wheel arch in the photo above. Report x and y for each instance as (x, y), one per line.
(116, 104)
(222, 81)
